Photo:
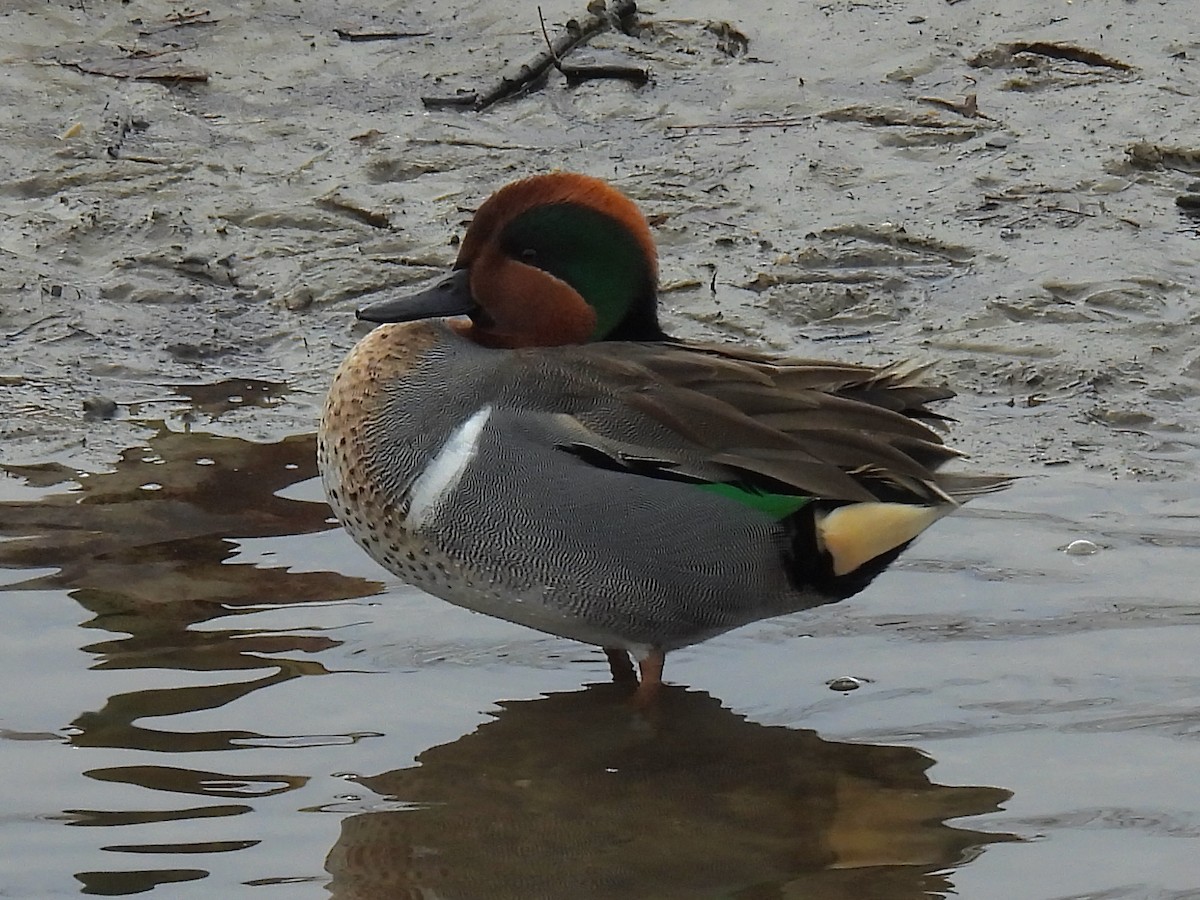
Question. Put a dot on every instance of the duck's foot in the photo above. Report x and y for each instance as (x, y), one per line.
(651, 667)
(621, 666)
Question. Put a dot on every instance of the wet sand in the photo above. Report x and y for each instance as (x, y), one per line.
(179, 263)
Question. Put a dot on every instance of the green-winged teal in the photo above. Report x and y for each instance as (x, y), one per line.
(523, 439)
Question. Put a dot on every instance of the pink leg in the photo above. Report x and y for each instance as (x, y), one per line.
(651, 667)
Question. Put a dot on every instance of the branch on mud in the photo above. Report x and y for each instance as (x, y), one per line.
(529, 72)
(360, 35)
(577, 75)
(1005, 55)
(137, 69)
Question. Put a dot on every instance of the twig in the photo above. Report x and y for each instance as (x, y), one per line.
(462, 98)
(577, 33)
(137, 69)
(32, 325)
(347, 34)
(1069, 211)
(783, 122)
(546, 38)
(577, 75)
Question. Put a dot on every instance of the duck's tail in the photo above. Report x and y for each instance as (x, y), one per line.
(838, 548)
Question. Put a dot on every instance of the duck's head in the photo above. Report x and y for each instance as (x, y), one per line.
(550, 260)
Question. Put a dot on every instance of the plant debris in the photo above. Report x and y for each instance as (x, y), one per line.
(137, 69)
(528, 73)
(377, 34)
(1004, 56)
(1145, 155)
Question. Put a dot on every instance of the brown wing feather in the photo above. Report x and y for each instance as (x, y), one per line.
(833, 430)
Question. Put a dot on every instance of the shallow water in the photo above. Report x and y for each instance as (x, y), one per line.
(1026, 725)
(185, 257)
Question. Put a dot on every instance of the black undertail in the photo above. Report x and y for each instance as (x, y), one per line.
(810, 568)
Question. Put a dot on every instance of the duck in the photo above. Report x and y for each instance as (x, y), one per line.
(523, 439)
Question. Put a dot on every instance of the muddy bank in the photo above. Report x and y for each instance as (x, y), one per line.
(937, 181)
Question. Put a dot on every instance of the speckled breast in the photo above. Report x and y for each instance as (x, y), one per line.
(368, 481)
(387, 414)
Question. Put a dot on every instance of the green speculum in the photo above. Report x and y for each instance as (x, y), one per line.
(777, 506)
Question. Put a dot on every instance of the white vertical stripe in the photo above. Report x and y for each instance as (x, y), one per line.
(445, 470)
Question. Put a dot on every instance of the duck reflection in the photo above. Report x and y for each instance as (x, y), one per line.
(146, 547)
(579, 795)
(146, 550)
